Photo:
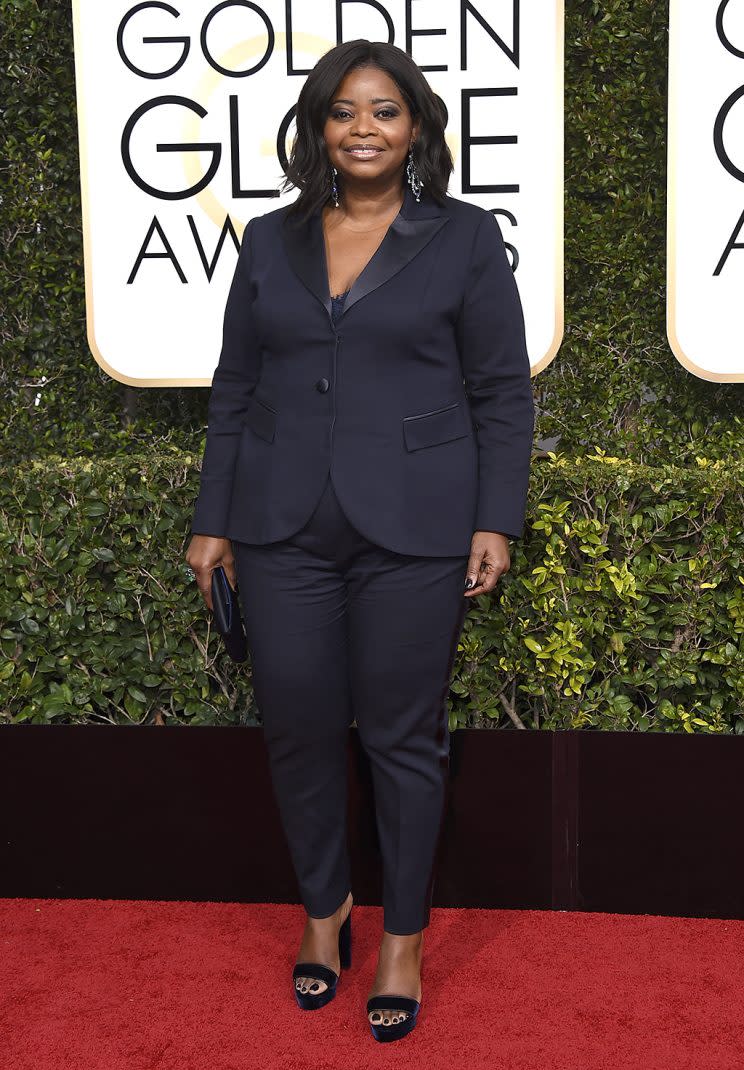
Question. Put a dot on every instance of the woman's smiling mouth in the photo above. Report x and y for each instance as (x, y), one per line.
(363, 152)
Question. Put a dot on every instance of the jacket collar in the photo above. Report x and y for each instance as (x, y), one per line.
(415, 225)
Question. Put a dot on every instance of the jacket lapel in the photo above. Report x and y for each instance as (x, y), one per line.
(415, 225)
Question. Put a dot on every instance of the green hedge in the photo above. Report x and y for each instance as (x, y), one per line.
(623, 609)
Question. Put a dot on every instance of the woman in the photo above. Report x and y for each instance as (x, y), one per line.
(366, 463)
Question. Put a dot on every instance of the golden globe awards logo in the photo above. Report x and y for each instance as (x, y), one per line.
(705, 220)
(186, 117)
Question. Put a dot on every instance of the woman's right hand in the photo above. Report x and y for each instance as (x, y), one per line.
(206, 553)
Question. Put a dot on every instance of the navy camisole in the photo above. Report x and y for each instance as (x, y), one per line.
(337, 304)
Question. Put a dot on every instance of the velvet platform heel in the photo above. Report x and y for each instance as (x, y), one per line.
(395, 1003)
(313, 1001)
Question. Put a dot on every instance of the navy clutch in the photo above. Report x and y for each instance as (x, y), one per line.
(227, 618)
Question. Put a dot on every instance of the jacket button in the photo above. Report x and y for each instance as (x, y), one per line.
(322, 385)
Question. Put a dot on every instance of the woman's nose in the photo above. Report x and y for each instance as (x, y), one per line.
(363, 126)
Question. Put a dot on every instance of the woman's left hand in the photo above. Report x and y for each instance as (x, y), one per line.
(489, 559)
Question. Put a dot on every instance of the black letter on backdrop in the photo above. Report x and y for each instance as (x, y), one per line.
(371, 3)
(291, 69)
(724, 158)
(152, 40)
(227, 228)
(494, 139)
(722, 33)
(281, 139)
(235, 157)
(269, 34)
(167, 255)
(513, 52)
(411, 33)
(508, 245)
(214, 147)
(731, 244)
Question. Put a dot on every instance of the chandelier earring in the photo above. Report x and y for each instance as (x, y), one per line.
(334, 187)
(414, 179)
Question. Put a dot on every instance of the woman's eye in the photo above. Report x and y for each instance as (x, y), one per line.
(342, 113)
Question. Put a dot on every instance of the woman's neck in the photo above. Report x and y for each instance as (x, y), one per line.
(363, 208)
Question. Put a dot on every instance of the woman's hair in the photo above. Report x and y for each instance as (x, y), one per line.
(309, 168)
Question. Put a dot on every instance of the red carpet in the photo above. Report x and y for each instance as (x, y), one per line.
(114, 985)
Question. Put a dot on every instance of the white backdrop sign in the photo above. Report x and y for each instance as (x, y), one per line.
(186, 113)
(705, 217)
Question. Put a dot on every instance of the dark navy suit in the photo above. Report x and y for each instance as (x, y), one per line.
(350, 458)
(419, 403)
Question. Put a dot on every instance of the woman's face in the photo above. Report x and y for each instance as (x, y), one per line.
(369, 128)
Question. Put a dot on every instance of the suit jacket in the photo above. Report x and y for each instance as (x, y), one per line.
(418, 402)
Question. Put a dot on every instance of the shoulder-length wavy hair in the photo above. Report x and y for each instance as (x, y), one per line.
(309, 168)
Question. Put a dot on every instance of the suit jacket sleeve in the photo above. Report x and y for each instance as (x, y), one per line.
(234, 380)
(496, 369)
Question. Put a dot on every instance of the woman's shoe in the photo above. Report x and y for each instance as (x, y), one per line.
(312, 1001)
(395, 1030)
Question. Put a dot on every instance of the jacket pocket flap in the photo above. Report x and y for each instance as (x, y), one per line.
(261, 419)
(440, 425)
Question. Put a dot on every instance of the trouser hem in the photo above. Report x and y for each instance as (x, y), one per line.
(405, 926)
(321, 911)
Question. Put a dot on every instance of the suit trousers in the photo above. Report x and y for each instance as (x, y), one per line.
(341, 629)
